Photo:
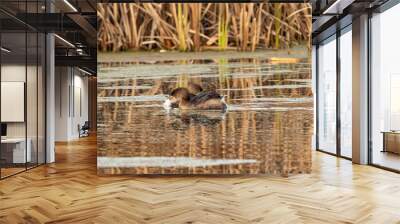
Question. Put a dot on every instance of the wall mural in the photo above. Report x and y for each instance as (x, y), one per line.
(204, 89)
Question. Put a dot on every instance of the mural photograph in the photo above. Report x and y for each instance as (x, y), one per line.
(204, 88)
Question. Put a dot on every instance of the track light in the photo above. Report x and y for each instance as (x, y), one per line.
(70, 5)
(84, 71)
(5, 50)
(65, 41)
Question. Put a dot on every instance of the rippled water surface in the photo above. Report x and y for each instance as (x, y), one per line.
(266, 129)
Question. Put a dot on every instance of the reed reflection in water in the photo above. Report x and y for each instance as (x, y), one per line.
(267, 128)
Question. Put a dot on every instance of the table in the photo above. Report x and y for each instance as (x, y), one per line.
(16, 148)
(391, 141)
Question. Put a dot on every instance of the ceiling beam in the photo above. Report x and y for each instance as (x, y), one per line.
(84, 24)
(76, 61)
(337, 7)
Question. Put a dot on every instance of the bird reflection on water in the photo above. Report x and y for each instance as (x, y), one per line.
(183, 119)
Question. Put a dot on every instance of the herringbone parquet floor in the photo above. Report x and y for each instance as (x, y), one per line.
(69, 191)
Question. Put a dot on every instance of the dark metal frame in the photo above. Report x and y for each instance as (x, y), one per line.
(316, 97)
(389, 4)
(369, 81)
(338, 98)
(380, 9)
(44, 71)
(341, 32)
(338, 152)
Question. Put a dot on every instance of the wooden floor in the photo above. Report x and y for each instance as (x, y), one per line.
(69, 191)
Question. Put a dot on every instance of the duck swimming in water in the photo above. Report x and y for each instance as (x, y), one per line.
(192, 88)
(205, 100)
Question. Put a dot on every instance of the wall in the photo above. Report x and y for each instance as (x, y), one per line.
(80, 103)
(16, 73)
(71, 102)
(61, 103)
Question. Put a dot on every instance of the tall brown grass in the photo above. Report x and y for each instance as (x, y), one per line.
(199, 26)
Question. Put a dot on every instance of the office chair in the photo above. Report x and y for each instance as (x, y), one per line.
(84, 130)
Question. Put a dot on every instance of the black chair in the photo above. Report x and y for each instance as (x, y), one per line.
(84, 130)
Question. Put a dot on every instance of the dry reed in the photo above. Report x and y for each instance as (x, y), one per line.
(200, 26)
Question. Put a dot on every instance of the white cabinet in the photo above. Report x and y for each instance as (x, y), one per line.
(17, 147)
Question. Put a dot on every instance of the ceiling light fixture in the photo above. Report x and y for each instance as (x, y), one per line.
(84, 71)
(5, 50)
(79, 51)
(65, 41)
(70, 5)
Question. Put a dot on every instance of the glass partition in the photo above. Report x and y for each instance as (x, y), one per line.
(13, 94)
(327, 96)
(22, 88)
(385, 89)
(346, 93)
